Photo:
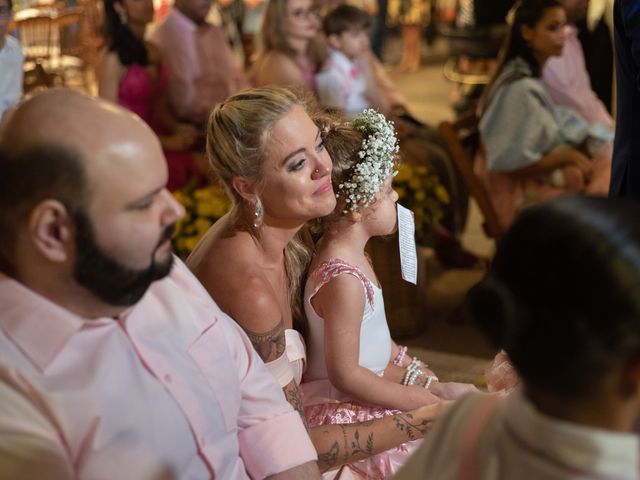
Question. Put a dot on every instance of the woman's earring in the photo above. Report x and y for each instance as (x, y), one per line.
(123, 17)
(258, 214)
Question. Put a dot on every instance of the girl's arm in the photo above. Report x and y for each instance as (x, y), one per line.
(341, 444)
(340, 302)
(110, 72)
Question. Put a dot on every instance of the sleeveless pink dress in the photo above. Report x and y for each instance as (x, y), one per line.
(323, 403)
(139, 93)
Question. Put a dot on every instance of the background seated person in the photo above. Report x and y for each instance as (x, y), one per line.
(574, 338)
(133, 75)
(202, 69)
(534, 150)
(291, 52)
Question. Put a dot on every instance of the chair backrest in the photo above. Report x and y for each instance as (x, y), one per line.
(463, 139)
(35, 37)
(71, 33)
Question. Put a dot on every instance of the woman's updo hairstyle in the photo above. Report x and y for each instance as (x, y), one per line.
(237, 135)
(562, 296)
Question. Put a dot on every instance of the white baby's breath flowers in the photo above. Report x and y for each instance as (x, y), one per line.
(378, 155)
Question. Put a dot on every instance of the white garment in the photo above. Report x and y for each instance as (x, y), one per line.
(342, 85)
(11, 75)
(519, 442)
(375, 338)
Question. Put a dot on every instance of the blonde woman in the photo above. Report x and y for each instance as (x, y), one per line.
(291, 51)
(269, 153)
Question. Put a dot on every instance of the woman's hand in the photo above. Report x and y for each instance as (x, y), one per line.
(580, 160)
(451, 390)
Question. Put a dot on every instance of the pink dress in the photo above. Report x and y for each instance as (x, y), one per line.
(139, 93)
(324, 404)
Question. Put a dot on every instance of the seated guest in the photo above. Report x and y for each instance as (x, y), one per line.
(566, 77)
(253, 260)
(133, 75)
(291, 52)
(114, 361)
(11, 59)
(202, 69)
(562, 298)
(534, 150)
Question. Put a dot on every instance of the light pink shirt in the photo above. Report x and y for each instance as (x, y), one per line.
(202, 70)
(170, 389)
(568, 84)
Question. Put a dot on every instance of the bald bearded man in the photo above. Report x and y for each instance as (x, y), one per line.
(114, 361)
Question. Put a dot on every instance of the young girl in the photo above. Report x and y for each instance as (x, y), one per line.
(351, 355)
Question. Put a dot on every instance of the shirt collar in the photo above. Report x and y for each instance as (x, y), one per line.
(341, 59)
(605, 453)
(38, 326)
(181, 21)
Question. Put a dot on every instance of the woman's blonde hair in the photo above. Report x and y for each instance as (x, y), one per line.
(273, 37)
(237, 136)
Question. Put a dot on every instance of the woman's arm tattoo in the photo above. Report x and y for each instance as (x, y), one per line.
(269, 345)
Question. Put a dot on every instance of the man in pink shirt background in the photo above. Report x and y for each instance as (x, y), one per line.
(202, 70)
(566, 77)
(114, 361)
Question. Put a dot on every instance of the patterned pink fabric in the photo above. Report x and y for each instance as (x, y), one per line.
(379, 466)
(330, 269)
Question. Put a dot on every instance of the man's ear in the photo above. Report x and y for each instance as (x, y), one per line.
(51, 230)
(245, 188)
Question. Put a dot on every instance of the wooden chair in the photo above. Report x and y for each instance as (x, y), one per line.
(463, 139)
(35, 38)
(70, 54)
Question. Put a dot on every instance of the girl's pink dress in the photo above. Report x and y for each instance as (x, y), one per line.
(139, 92)
(323, 403)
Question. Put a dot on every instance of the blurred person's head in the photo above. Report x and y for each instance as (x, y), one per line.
(576, 10)
(289, 24)
(85, 218)
(122, 19)
(346, 28)
(194, 10)
(562, 298)
(6, 14)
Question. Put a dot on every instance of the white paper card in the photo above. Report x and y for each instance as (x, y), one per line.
(407, 244)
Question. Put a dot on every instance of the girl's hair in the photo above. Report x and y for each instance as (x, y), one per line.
(237, 136)
(562, 296)
(273, 35)
(525, 13)
(121, 39)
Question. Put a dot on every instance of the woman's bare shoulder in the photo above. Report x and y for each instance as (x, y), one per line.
(277, 68)
(228, 266)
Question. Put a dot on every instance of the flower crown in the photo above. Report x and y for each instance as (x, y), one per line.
(378, 159)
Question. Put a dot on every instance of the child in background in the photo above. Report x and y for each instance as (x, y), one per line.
(352, 357)
(345, 81)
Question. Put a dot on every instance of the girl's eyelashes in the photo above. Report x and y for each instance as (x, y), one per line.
(294, 167)
(320, 146)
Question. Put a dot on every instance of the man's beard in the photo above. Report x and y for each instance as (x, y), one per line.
(106, 277)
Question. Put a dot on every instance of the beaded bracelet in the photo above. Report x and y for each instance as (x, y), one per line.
(400, 356)
(430, 380)
(412, 373)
